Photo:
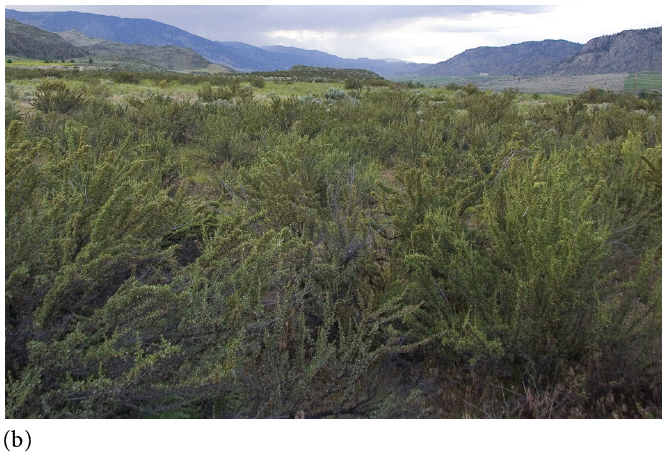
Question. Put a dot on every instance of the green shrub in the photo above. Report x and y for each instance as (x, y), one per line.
(209, 94)
(354, 84)
(125, 77)
(257, 82)
(405, 253)
(54, 95)
(334, 93)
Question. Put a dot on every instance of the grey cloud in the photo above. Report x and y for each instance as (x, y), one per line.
(249, 23)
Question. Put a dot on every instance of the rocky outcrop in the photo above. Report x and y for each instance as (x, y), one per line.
(628, 51)
(526, 58)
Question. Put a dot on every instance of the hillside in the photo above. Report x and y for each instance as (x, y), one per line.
(628, 51)
(322, 59)
(171, 57)
(30, 42)
(526, 58)
(237, 55)
(325, 74)
(134, 31)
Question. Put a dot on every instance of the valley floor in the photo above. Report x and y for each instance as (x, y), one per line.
(534, 83)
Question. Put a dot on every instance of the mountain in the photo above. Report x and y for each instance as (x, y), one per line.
(171, 57)
(383, 67)
(30, 42)
(240, 56)
(532, 57)
(628, 51)
(133, 31)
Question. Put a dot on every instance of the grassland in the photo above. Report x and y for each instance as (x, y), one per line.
(25, 89)
(531, 84)
(643, 82)
(28, 62)
(109, 62)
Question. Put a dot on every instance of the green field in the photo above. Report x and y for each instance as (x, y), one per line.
(444, 80)
(645, 81)
(28, 62)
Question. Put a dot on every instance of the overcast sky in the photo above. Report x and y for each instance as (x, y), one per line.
(423, 34)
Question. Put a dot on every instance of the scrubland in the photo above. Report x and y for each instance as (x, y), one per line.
(182, 246)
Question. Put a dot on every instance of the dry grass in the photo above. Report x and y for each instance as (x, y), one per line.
(469, 395)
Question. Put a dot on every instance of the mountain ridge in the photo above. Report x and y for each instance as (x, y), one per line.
(627, 51)
(167, 57)
(26, 41)
(239, 56)
(525, 58)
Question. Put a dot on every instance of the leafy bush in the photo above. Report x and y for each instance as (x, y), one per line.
(209, 94)
(354, 83)
(334, 93)
(125, 77)
(257, 82)
(54, 95)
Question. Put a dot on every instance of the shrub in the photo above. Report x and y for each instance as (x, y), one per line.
(354, 83)
(470, 89)
(257, 82)
(334, 93)
(125, 77)
(54, 95)
(399, 255)
(209, 94)
(11, 92)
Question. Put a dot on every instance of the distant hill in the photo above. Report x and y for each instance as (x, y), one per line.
(240, 56)
(324, 74)
(134, 31)
(628, 51)
(172, 58)
(532, 57)
(383, 67)
(30, 42)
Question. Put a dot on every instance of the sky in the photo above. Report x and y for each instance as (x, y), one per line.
(422, 34)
